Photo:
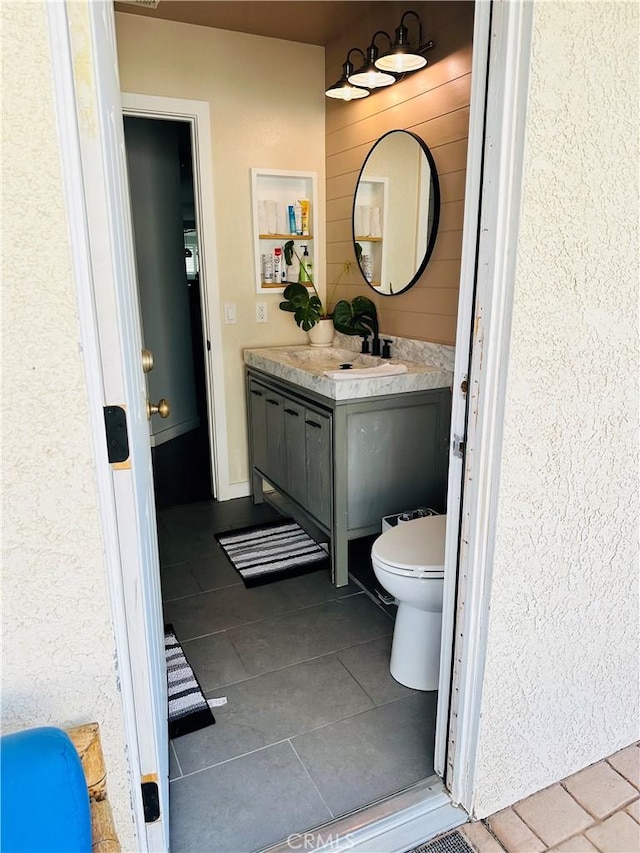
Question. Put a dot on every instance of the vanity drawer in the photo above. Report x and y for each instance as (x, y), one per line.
(294, 442)
(257, 425)
(318, 464)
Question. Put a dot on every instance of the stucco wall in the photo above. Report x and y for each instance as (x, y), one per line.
(561, 681)
(57, 642)
(266, 101)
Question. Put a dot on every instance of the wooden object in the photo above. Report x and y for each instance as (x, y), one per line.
(86, 740)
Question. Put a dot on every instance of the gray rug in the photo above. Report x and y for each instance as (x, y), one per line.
(270, 552)
(188, 709)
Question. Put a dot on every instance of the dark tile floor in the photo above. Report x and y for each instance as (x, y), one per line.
(314, 726)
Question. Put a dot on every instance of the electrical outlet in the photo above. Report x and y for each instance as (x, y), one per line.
(261, 312)
(230, 313)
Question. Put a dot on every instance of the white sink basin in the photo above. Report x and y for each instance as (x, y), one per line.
(319, 359)
(306, 366)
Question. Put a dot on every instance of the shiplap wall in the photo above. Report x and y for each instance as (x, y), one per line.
(432, 103)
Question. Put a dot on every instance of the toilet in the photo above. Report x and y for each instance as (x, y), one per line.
(408, 561)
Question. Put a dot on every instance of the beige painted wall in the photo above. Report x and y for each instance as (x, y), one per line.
(434, 104)
(561, 681)
(58, 655)
(266, 99)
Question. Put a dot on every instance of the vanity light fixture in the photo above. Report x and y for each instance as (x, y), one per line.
(344, 90)
(401, 58)
(369, 75)
(380, 71)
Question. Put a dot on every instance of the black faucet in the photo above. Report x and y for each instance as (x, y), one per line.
(371, 320)
(386, 349)
(367, 321)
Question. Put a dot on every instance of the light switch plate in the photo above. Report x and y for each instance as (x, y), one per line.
(230, 318)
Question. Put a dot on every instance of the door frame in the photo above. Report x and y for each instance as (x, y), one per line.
(461, 371)
(489, 250)
(499, 94)
(94, 182)
(509, 29)
(197, 115)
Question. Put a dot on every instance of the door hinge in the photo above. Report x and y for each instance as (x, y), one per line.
(458, 446)
(208, 346)
(115, 422)
(150, 801)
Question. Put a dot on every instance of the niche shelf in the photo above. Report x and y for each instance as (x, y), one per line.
(282, 188)
(372, 193)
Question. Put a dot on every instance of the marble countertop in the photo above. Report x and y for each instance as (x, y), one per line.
(305, 366)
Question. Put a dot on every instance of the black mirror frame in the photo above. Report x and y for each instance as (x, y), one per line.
(436, 210)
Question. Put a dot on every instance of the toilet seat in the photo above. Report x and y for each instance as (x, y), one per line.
(413, 549)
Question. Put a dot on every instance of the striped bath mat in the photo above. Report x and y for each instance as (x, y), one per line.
(270, 552)
(188, 709)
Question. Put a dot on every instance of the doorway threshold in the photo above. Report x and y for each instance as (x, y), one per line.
(393, 825)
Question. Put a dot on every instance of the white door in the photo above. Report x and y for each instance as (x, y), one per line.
(100, 125)
(153, 159)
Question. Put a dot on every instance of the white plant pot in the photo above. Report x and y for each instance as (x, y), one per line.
(321, 335)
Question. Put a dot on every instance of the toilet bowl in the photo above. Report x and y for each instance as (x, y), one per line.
(408, 561)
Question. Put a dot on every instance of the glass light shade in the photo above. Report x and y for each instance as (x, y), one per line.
(343, 90)
(370, 77)
(399, 62)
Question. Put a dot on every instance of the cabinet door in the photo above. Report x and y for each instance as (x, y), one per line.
(394, 461)
(318, 465)
(294, 451)
(257, 425)
(275, 461)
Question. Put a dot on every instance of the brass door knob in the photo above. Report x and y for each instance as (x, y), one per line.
(147, 360)
(162, 408)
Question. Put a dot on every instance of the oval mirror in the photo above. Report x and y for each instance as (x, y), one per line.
(396, 210)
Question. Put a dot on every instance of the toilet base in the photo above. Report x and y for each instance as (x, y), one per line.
(415, 652)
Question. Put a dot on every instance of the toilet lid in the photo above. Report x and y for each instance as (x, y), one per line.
(416, 545)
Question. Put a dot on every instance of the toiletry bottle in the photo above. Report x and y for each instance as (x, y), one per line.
(305, 266)
(308, 264)
(304, 207)
(292, 220)
(278, 264)
(367, 267)
(267, 269)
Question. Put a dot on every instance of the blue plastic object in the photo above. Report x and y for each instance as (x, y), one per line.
(44, 802)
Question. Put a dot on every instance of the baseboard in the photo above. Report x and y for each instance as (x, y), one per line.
(234, 490)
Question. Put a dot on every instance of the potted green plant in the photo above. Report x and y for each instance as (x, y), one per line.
(358, 317)
(306, 306)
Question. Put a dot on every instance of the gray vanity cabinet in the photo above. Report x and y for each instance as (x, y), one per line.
(318, 465)
(346, 463)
